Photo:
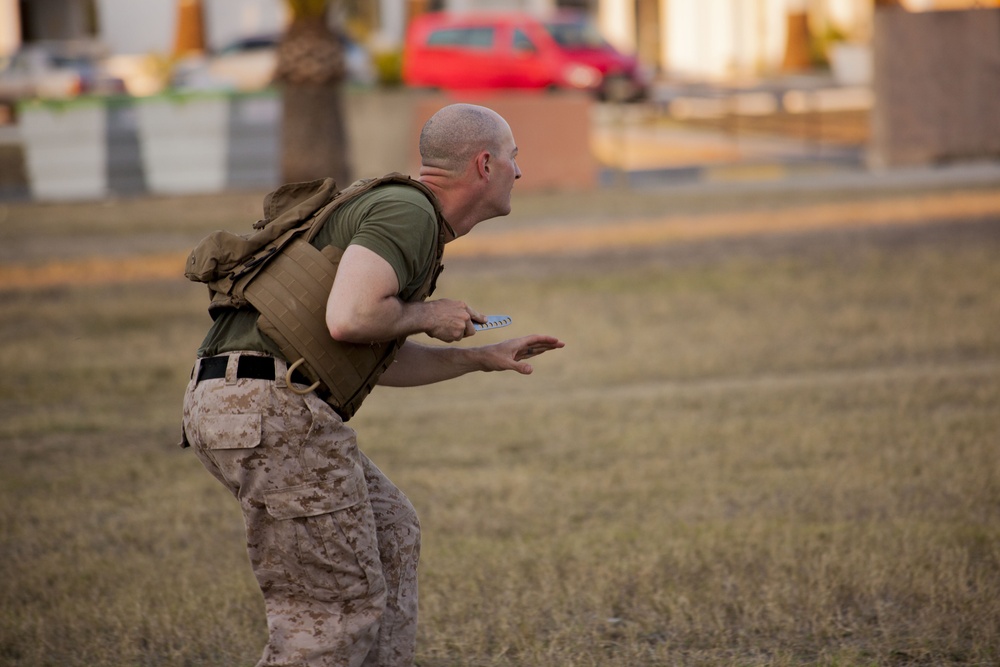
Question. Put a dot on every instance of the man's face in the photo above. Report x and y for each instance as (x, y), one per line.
(505, 172)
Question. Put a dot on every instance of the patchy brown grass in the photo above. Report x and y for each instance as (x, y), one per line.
(763, 450)
(124, 258)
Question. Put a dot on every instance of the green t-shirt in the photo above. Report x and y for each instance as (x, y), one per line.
(397, 222)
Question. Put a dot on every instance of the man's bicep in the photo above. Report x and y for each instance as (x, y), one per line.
(363, 279)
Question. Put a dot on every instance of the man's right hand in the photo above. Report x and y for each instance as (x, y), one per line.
(449, 320)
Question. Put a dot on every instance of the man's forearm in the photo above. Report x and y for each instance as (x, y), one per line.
(418, 364)
(386, 319)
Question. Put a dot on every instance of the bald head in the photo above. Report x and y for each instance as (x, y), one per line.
(455, 134)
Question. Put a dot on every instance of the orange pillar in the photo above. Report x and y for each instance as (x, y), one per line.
(190, 34)
(797, 56)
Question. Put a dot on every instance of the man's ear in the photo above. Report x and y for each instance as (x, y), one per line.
(484, 164)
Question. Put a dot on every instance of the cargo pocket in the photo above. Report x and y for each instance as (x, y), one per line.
(231, 431)
(335, 536)
(228, 441)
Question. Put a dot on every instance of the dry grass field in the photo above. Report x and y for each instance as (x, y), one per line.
(758, 447)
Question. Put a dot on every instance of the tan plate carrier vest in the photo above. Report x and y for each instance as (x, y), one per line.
(277, 271)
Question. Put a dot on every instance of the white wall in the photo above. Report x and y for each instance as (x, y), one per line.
(616, 19)
(854, 17)
(132, 27)
(717, 39)
(228, 20)
(392, 32)
(129, 27)
(699, 38)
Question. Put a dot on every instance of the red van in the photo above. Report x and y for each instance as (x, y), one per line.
(475, 50)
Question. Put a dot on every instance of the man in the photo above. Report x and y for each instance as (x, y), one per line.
(333, 544)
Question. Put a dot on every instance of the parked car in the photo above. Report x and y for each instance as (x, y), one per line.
(456, 51)
(249, 63)
(56, 69)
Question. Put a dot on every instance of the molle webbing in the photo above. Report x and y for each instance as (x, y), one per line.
(289, 293)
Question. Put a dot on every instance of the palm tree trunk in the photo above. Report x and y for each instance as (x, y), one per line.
(310, 74)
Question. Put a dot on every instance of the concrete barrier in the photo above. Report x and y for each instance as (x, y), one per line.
(126, 173)
(87, 148)
(65, 152)
(253, 139)
(184, 142)
(210, 142)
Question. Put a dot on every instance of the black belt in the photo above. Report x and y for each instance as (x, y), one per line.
(247, 366)
(257, 368)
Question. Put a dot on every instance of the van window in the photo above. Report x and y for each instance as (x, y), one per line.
(479, 38)
(580, 35)
(522, 42)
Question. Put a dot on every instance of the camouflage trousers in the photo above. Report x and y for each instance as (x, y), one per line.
(332, 542)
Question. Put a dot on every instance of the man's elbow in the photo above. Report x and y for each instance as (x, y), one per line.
(342, 330)
(348, 335)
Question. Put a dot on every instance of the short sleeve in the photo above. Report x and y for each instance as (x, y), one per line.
(396, 222)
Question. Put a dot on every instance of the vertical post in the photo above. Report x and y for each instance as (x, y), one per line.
(189, 36)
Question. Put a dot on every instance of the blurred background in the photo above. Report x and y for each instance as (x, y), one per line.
(115, 97)
(768, 230)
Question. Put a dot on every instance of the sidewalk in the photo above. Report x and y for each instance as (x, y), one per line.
(675, 154)
(641, 149)
(766, 129)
